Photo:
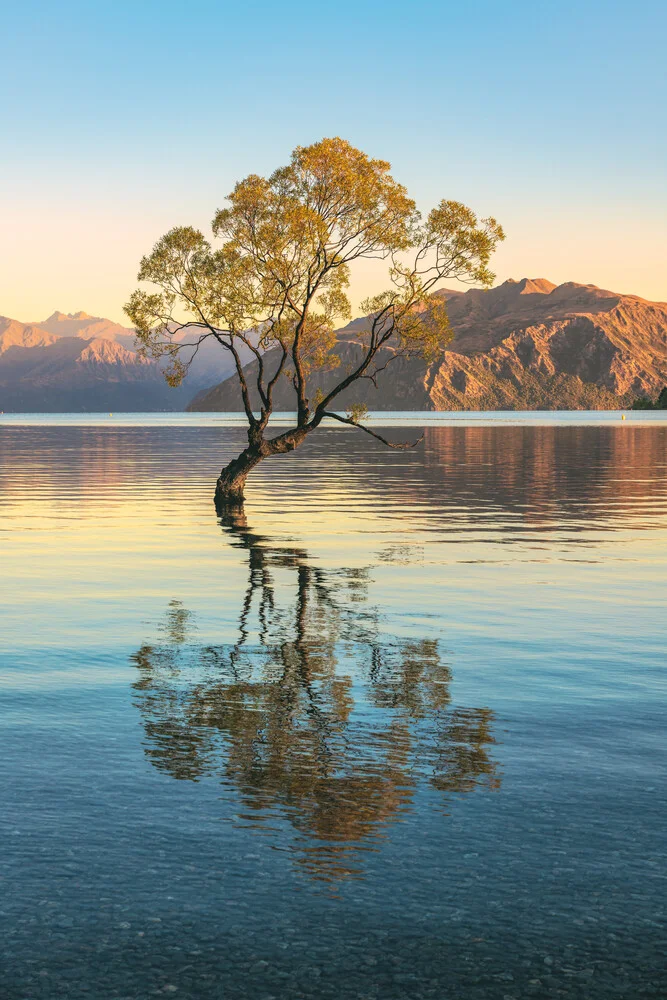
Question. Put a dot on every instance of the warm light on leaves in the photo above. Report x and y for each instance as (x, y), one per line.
(277, 283)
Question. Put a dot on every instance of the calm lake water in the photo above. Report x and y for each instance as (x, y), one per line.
(397, 731)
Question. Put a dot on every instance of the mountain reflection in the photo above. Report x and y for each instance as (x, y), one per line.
(313, 715)
(568, 477)
(543, 477)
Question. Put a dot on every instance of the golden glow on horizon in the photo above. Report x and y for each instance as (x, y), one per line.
(52, 258)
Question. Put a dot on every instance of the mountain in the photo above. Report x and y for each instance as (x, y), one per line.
(73, 361)
(526, 344)
(15, 334)
(523, 345)
(86, 327)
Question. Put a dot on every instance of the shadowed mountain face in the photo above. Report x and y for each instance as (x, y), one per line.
(73, 362)
(524, 345)
(312, 715)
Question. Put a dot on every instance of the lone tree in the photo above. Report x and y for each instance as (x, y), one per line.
(277, 283)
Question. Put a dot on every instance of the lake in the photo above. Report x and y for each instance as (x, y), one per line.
(396, 730)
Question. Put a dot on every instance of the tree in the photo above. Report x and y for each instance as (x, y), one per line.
(276, 286)
(642, 403)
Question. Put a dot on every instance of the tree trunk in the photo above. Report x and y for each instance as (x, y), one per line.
(231, 481)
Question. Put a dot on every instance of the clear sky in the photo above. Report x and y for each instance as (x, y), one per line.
(119, 120)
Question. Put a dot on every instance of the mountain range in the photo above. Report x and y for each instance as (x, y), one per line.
(73, 361)
(524, 345)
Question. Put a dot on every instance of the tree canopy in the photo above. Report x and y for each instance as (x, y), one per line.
(275, 279)
(642, 403)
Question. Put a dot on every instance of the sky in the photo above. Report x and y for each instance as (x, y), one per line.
(120, 120)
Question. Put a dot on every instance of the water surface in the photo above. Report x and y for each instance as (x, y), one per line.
(396, 730)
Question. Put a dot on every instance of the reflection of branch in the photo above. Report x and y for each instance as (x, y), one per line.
(308, 579)
(390, 444)
(277, 720)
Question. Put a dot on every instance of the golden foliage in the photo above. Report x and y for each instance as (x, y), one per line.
(279, 278)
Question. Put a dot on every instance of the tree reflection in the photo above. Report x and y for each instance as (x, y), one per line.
(312, 715)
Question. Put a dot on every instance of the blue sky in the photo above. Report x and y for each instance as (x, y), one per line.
(120, 120)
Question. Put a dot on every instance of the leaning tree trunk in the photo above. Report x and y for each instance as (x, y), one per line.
(230, 487)
(231, 481)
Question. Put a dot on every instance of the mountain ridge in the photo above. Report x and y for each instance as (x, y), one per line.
(526, 344)
(75, 361)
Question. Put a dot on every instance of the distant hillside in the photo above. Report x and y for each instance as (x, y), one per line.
(81, 362)
(524, 345)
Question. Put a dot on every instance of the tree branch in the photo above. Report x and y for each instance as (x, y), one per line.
(400, 446)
